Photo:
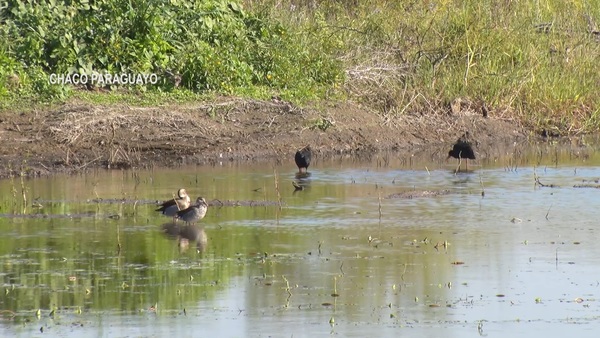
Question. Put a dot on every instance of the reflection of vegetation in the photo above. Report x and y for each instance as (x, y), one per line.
(68, 262)
(316, 245)
(74, 263)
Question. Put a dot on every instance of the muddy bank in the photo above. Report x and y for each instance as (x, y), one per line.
(78, 136)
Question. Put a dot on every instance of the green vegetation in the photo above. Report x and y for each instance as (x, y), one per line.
(532, 61)
(213, 46)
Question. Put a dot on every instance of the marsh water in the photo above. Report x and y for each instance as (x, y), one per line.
(370, 247)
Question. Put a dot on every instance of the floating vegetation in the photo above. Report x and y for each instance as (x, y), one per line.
(246, 203)
(419, 194)
(540, 184)
(52, 216)
(593, 186)
(214, 202)
(443, 244)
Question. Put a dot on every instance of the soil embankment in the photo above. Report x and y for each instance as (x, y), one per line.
(78, 136)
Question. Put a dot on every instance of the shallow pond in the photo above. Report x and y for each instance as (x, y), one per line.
(374, 247)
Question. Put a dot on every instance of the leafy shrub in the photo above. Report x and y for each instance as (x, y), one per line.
(213, 45)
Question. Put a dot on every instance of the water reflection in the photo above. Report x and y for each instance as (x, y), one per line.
(302, 181)
(186, 234)
(425, 263)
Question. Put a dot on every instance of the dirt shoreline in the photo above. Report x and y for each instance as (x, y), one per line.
(78, 136)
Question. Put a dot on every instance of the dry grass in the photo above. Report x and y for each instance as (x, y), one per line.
(101, 124)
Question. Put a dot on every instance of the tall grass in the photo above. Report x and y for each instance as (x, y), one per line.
(198, 45)
(534, 61)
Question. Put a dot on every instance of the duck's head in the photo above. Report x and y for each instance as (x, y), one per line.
(181, 193)
(200, 201)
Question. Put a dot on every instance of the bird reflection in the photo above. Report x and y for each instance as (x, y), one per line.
(461, 180)
(302, 176)
(302, 181)
(186, 234)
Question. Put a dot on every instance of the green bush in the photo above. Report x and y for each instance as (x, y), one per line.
(535, 61)
(213, 45)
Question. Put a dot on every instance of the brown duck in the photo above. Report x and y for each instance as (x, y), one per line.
(194, 212)
(172, 206)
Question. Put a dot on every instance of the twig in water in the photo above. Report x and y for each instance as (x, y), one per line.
(277, 187)
(334, 294)
(95, 184)
(537, 180)
(548, 212)
(287, 288)
(118, 239)
(24, 193)
(88, 163)
(379, 201)
(287, 285)
(482, 189)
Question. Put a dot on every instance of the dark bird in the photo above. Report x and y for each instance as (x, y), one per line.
(302, 158)
(172, 206)
(194, 212)
(463, 148)
(485, 110)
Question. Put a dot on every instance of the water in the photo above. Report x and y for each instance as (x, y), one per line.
(339, 258)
